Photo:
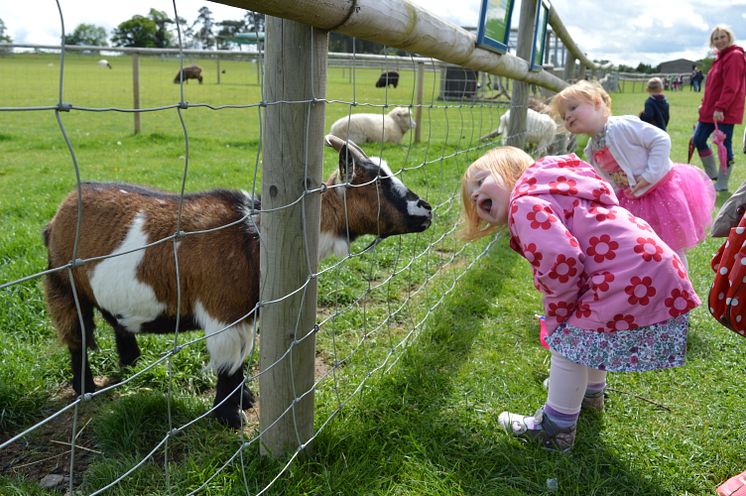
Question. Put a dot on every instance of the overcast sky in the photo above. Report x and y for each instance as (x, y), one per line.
(621, 31)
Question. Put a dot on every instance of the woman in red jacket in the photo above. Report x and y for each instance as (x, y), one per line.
(723, 101)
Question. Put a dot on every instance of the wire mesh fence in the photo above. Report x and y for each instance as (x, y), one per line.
(67, 120)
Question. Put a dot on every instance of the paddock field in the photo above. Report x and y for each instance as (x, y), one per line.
(428, 425)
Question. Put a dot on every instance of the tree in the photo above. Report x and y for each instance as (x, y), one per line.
(202, 27)
(87, 34)
(187, 33)
(254, 21)
(4, 38)
(229, 29)
(163, 38)
(138, 31)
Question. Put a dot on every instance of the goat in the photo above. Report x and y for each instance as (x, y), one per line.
(388, 128)
(218, 270)
(540, 130)
(388, 78)
(189, 72)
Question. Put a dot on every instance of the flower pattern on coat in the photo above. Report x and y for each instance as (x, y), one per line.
(602, 213)
(680, 302)
(563, 186)
(649, 249)
(532, 254)
(602, 247)
(564, 268)
(640, 290)
(541, 217)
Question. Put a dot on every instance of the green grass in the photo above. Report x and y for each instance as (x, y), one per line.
(425, 426)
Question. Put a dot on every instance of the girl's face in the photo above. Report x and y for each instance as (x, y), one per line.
(720, 40)
(583, 117)
(490, 197)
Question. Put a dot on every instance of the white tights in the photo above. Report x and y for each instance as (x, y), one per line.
(567, 384)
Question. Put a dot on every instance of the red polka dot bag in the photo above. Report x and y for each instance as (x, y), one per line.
(727, 299)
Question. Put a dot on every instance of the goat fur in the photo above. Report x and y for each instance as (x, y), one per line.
(136, 290)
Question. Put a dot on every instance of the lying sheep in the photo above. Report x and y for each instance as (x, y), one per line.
(388, 78)
(540, 130)
(360, 128)
(189, 72)
(218, 269)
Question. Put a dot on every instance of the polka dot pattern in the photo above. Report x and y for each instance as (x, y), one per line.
(727, 296)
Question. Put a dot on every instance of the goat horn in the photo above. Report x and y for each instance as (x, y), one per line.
(337, 143)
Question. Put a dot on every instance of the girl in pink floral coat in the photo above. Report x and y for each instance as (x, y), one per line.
(616, 297)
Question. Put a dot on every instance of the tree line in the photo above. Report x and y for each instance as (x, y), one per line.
(158, 30)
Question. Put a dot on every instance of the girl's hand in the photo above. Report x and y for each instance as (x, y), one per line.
(641, 184)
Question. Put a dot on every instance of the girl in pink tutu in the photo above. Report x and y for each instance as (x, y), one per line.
(634, 156)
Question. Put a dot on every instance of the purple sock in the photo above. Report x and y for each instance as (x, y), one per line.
(595, 389)
(561, 420)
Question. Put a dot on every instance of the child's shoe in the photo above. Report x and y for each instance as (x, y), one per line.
(538, 428)
(735, 486)
(593, 402)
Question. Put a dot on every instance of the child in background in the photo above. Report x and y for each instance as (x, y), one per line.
(676, 199)
(656, 106)
(616, 298)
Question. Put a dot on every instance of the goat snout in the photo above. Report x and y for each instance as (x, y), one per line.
(421, 216)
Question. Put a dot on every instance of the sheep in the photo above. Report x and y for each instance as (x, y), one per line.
(189, 72)
(218, 270)
(104, 63)
(540, 130)
(388, 78)
(360, 128)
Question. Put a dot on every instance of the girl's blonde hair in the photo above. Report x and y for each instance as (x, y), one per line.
(725, 29)
(506, 164)
(588, 91)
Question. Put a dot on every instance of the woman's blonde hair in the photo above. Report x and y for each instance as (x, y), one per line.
(589, 91)
(725, 29)
(506, 164)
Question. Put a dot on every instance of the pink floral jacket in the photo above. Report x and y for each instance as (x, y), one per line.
(600, 267)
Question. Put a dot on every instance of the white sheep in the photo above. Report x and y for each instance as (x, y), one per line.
(360, 128)
(104, 63)
(540, 130)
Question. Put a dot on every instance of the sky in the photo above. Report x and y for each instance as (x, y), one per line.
(620, 31)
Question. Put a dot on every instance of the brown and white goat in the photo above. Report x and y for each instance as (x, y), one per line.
(218, 271)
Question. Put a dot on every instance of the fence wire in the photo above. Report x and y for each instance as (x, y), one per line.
(362, 329)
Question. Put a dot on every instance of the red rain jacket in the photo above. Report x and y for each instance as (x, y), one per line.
(725, 86)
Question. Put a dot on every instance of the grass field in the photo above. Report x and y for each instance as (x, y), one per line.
(428, 426)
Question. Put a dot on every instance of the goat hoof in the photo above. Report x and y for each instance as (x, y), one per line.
(230, 418)
(247, 398)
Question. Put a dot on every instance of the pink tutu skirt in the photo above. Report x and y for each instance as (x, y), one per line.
(679, 208)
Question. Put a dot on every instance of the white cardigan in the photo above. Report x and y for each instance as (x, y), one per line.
(640, 149)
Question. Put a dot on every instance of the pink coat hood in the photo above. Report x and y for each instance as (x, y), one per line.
(599, 267)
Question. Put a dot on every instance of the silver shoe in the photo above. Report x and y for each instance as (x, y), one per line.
(548, 434)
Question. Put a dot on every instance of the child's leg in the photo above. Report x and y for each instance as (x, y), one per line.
(553, 425)
(567, 384)
(594, 391)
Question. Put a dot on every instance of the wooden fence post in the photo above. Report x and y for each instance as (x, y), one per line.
(519, 98)
(136, 89)
(418, 101)
(295, 71)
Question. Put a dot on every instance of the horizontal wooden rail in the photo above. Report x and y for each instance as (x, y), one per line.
(400, 24)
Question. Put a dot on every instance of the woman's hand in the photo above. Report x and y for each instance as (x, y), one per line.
(718, 116)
